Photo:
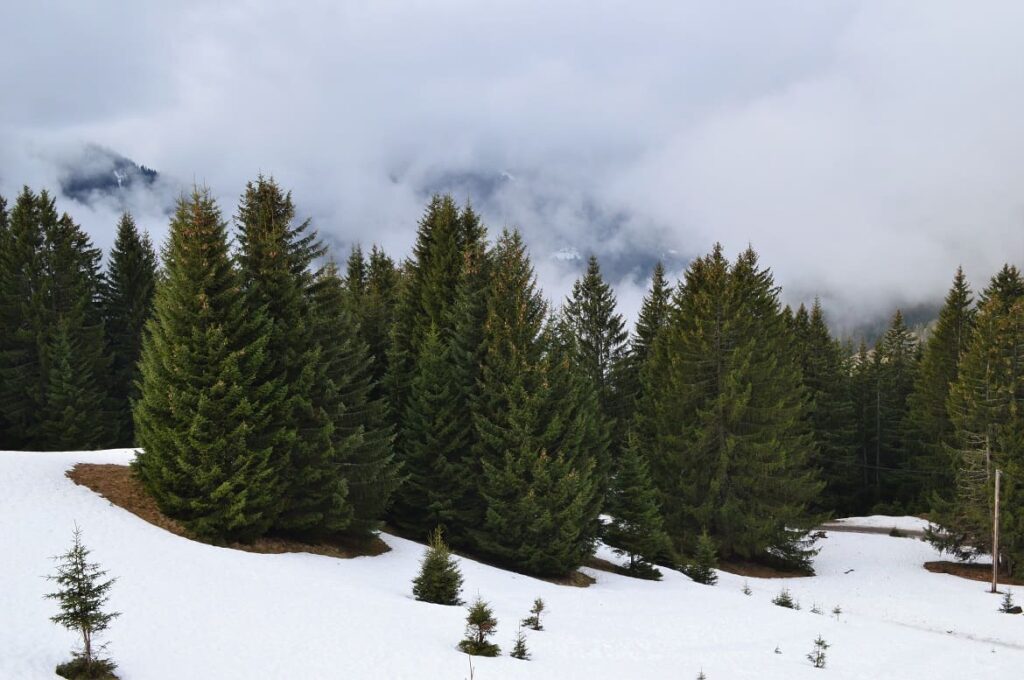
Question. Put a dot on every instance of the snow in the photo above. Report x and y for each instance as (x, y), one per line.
(196, 611)
(904, 523)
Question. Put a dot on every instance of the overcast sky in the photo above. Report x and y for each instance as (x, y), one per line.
(865, 149)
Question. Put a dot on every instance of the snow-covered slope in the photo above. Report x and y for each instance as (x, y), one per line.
(195, 611)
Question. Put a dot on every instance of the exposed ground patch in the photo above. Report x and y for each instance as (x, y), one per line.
(118, 485)
(970, 570)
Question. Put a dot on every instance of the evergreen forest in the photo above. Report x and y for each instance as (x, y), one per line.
(272, 390)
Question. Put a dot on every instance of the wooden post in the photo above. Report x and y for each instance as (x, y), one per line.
(995, 537)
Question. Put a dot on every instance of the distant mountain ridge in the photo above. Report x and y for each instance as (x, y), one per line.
(100, 172)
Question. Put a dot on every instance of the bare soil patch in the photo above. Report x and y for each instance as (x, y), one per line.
(119, 485)
(757, 570)
(974, 571)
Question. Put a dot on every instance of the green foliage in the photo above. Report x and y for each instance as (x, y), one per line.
(830, 413)
(361, 437)
(519, 650)
(785, 599)
(929, 430)
(73, 401)
(82, 594)
(723, 414)
(204, 415)
(705, 561)
(533, 621)
(817, 655)
(480, 626)
(636, 528)
(1007, 606)
(984, 406)
(127, 302)
(49, 280)
(600, 345)
(537, 505)
(440, 579)
(653, 316)
(79, 669)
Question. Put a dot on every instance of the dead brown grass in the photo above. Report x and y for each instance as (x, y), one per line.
(118, 485)
(970, 570)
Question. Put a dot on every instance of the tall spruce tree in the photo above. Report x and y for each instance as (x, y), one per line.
(74, 402)
(127, 300)
(896, 357)
(535, 500)
(929, 430)
(601, 348)
(864, 394)
(826, 379)
(361, 434)
(636, 526)
(49, 279)
(204, 415)
(448, 241)
(275, 255)
(724, 415)
(984, 406)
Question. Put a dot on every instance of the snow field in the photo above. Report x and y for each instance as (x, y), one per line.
(195, 611)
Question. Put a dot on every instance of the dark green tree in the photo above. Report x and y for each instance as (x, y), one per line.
(636, 527)
(204, 415)
(434, 445)
(984, 406)
(705, 560)
(73, 400)
(535, 509)
(929, 431)
(127, 300)
(826, 380)
(896, 357)
(653, 316)
(519, 650)
(440, 579)
(480, 626)
(82, 594)
(724, 417)
(601, 348)
(274, 259)
(361, 434)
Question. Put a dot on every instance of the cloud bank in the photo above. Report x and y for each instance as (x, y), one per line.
(865, 149)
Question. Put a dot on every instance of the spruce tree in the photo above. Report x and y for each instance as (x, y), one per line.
(984, 406)
(702, 568)
(601, 347)
(434, 445)
(896, 357)
(274, 260)
(361, 435)
(203, 418)
(536, 507)
(440, 579)
(480, 626)
(49, 277)
(73, 405)
(519, 650)
(377, 313)
(82, 594)
(533, 621)
(653, 315)
(724, 417)
(929, 430)
(636, 527)
(825, 374)
(865, 396)
(127, 300)
(23, 321)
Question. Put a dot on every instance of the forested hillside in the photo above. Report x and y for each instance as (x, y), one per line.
(272, 391)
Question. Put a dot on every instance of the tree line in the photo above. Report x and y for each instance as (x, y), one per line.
(271, 391)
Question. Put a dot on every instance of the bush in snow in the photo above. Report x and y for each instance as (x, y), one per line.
(746, 589)
(533, 620)
(1007, 606)
(784, 599)
(836, 611)
(439, 580)
(82, 594)
(519, 650)
(702, 569)
(815, 609)
(817, 655)
(480, 625)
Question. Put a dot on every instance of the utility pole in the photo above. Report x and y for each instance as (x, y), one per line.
(995, 536)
